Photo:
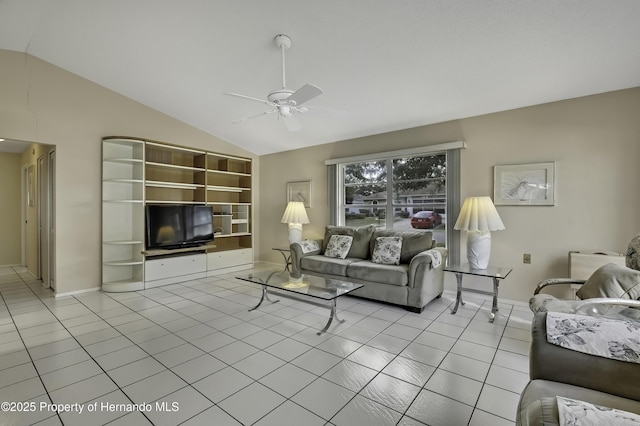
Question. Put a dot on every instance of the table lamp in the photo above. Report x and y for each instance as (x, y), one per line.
(478, 217)
(295, 215)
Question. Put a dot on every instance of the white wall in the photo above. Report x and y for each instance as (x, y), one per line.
(44, 104)
(595, 142)
(10, 208)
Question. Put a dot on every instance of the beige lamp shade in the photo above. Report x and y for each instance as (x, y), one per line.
(478, 217)
(295, 215)
(479, 214)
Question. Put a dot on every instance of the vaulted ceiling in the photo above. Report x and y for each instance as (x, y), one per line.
(389, 64)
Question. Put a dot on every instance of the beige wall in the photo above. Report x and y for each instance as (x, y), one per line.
(10, 208)
(595, 142)
(45, 104)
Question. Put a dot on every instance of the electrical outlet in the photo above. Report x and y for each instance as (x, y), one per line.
(526, 258)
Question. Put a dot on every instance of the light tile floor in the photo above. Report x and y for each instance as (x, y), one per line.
(192, 354)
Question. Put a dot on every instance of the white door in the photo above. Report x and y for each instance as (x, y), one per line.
(42, 222)
(52, 220)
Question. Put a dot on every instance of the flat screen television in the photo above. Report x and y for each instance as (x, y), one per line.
(178, 225)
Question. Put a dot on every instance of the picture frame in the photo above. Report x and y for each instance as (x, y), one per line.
(524, 184)
(31, 187)
(299, 191)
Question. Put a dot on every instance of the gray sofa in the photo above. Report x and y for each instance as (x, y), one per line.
(412, 284)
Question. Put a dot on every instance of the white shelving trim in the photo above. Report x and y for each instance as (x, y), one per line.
(123, 262)
(173, 202)
(225, 188)
(124, 201)
(123, 242)
(175, 185)
(124, 160)
(175, 166)
(224, 172)
(123, 180)
(176, 148)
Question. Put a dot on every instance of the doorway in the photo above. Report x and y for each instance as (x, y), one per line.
(46, 216)
(38, 235)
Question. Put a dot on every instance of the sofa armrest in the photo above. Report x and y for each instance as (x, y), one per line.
(298, 251)
(557, 281)
(421, 264)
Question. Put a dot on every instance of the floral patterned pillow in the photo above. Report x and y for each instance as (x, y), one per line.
(387, 250)
(338, 246)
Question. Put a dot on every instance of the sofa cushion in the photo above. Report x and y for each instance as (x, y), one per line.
(338, 246)
(379, 273)
(361, 237)
(387, 250)
(413, 242)
(612, 280)
(326, 265)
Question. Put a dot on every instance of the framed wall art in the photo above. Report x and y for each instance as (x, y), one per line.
(524, 184)
(299, 191)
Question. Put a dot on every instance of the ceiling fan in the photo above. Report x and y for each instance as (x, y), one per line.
(285, 103)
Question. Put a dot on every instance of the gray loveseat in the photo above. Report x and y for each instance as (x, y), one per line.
(413, 283)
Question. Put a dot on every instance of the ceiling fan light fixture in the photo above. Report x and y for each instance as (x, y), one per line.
(285, 110)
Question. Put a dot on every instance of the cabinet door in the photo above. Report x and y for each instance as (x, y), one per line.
(227, 259)
(169, 267)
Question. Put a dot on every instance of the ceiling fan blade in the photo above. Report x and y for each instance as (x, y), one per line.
(305, 93)
(239, 120)
(292, 123)
(262, 101)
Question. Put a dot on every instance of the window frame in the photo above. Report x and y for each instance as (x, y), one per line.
(452, 151)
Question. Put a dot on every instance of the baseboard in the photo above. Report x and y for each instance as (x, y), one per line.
(73, 293)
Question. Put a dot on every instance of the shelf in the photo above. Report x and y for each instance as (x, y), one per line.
(124, 201)
(173, 202)
(175, 185)
(124, 160)
(123, 180)
(224, 188)
(235, 234)
(224, 172)
(224, 203)
(175, 166)
(123, 262)
(164, 146)
(123, 242)
(164, 252)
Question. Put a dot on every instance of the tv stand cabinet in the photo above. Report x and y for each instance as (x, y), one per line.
(174, 269)
(137, 172)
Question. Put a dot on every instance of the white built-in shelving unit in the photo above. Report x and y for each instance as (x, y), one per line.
(139, 172)
(122, 214)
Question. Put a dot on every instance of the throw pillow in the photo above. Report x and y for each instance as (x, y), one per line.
(612, 280)
(387, 250)
(361, 237)
(633, 253)
(413, 242)
(338, 246)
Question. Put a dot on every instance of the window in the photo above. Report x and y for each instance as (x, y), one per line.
(410, 190)
(405, 193)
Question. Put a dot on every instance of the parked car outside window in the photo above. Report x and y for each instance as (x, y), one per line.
(426, 220)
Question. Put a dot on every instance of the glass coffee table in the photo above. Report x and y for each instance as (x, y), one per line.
(323, 289)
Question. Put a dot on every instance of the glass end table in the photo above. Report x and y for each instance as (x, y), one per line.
(496, 273)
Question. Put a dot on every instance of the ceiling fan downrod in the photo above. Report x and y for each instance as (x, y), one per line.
(283, 41)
